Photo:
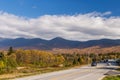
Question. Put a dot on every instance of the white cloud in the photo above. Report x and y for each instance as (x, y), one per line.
(77, 27)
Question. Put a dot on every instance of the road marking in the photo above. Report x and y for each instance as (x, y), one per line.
(66, 75)
(86, 75)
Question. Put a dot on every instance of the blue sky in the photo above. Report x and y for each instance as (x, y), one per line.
(70, 19)
(35, 8)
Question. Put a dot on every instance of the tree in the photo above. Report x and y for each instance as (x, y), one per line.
(74, 62)
(11, 61)
(80, 60)
(10, 51)
(2, 65)
(1, 55)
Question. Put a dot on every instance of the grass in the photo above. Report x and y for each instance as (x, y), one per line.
(30, 71)
(118, 69)
(112, 77)
(117, 77)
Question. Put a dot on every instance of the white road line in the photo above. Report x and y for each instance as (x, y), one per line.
(88, 75)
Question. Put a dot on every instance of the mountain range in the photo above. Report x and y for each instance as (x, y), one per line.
(58, 42)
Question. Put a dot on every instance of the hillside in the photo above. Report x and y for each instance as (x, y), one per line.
(95, 49)
(37, 43)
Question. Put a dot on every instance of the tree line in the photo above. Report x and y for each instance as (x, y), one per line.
(11, 59)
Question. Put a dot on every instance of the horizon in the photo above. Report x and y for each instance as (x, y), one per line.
(60, 38)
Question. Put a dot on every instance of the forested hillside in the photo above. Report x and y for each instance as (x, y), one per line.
(58, 42)
(12, 60)
(95, 50)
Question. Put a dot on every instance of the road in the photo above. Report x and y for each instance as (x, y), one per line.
(82, 73)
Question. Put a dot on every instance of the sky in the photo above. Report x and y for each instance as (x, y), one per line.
(71, 19)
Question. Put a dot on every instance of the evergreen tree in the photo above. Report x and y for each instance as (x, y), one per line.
(10, 51)
(80, 60)
(1, 55)
(74, 62)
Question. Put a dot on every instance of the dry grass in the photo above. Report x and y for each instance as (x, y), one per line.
(30, 71)
(9, 76)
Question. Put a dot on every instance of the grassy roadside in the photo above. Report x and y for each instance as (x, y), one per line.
(112, 77)
(117, 77)
(28, 72)
(118, 69)
(32, 71)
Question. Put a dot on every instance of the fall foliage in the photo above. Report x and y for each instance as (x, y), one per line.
(12, 59)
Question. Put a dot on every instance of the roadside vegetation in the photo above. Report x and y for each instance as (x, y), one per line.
(115, 77)
(20, 62)
(112, 78)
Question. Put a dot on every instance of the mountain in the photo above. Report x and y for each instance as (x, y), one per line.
(101, 43)
(58, 42)
(22, 42)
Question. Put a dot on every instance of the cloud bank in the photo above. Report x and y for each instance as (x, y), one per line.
(76, 27)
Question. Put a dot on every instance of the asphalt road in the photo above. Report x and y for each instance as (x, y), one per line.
(82, 73)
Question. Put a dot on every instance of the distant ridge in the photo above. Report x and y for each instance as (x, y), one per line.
(58, 42)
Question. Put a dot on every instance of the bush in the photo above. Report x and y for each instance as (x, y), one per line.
(112, 78)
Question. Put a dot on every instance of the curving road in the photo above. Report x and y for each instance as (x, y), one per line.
(82, 73)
